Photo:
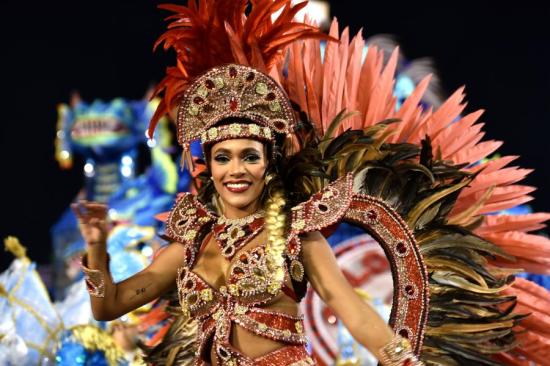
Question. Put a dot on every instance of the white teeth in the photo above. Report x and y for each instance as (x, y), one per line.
(237, 185)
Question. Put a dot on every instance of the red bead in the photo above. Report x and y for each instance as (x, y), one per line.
(401, 247)
(233, 104)
(280, 125)
(89, 285)
(232, 72)
(372, 215)
(269, 97)
(293, 247)
(209, 84)
(250, 77)
(198, 100)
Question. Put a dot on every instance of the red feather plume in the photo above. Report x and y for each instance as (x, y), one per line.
(210, 33)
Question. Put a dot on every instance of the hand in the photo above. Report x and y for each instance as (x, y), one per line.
(92, 220)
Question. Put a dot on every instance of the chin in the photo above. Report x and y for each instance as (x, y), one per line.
(239, 202)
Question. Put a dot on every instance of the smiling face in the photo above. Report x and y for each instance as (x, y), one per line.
(238, 167)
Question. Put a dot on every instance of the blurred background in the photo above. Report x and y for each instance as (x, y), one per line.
(103, 49)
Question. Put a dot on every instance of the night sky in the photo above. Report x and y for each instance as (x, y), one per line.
(103, 49)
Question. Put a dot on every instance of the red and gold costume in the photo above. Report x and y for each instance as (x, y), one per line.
(422, 204)
(244, 300)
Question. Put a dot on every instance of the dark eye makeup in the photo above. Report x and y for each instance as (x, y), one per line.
(221, 158)
(252, 157)
(247, 156)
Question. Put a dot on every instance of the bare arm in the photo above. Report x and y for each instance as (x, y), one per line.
(139, 289)
(362, 321)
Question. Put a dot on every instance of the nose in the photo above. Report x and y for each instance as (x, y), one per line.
(236, 168)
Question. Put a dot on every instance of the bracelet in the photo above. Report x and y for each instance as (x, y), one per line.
(398, 352)
(94, 278)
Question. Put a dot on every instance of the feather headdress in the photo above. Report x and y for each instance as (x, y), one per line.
(433, 167)
(425, 166)
(211, 33)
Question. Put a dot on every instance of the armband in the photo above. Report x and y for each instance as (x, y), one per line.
(95, 279)
(398, 352)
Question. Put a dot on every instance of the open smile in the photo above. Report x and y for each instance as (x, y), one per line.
(237, 186)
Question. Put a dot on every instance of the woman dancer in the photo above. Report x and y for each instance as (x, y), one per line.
(241, 255)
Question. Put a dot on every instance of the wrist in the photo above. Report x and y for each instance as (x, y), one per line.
(96, 257)
(96, 244)
(398, 352)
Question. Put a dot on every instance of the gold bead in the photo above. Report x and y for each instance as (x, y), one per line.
(202, 91)
(219, 82)
(193, 110)
(261, 88)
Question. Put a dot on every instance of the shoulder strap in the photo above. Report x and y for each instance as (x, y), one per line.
(324, 209)
(321, 212)
(187, 218)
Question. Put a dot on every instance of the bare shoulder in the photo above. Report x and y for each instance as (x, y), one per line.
(313, 238)
(172, 255)
(172, 248)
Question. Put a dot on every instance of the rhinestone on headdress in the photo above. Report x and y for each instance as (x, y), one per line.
(234, 91)
(235, 131)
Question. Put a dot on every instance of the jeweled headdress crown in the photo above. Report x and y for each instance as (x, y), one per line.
(233, 91)
(209, 33)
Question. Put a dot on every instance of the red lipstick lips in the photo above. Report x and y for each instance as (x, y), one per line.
(237, 186)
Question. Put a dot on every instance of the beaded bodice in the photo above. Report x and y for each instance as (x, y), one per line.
(240, 301)
(243, 300)
(246, 285)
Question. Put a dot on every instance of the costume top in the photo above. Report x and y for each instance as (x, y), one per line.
(245, 298)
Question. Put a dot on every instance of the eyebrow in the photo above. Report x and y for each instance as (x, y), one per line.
(244, 151)
(221, 150)
(250, 150)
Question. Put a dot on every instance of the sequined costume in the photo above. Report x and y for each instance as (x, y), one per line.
(412, 185)
(244, 300)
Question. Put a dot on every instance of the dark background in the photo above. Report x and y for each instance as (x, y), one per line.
(103, 49)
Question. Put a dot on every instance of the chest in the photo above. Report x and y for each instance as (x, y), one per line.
(215, 268)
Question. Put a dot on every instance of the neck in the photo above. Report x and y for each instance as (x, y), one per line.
(238, 213)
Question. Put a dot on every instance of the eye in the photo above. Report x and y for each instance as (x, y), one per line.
(252, 158)
(221, 158)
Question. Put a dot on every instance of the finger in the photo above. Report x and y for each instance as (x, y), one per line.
(79, 210)
(92, 204)
(97, 223)
(97, 209)
(74, 208)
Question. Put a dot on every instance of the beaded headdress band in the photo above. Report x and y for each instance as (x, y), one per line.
(236, 130)
(233, 91)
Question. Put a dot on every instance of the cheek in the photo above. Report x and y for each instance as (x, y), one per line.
(218, 172)
(258, 171)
